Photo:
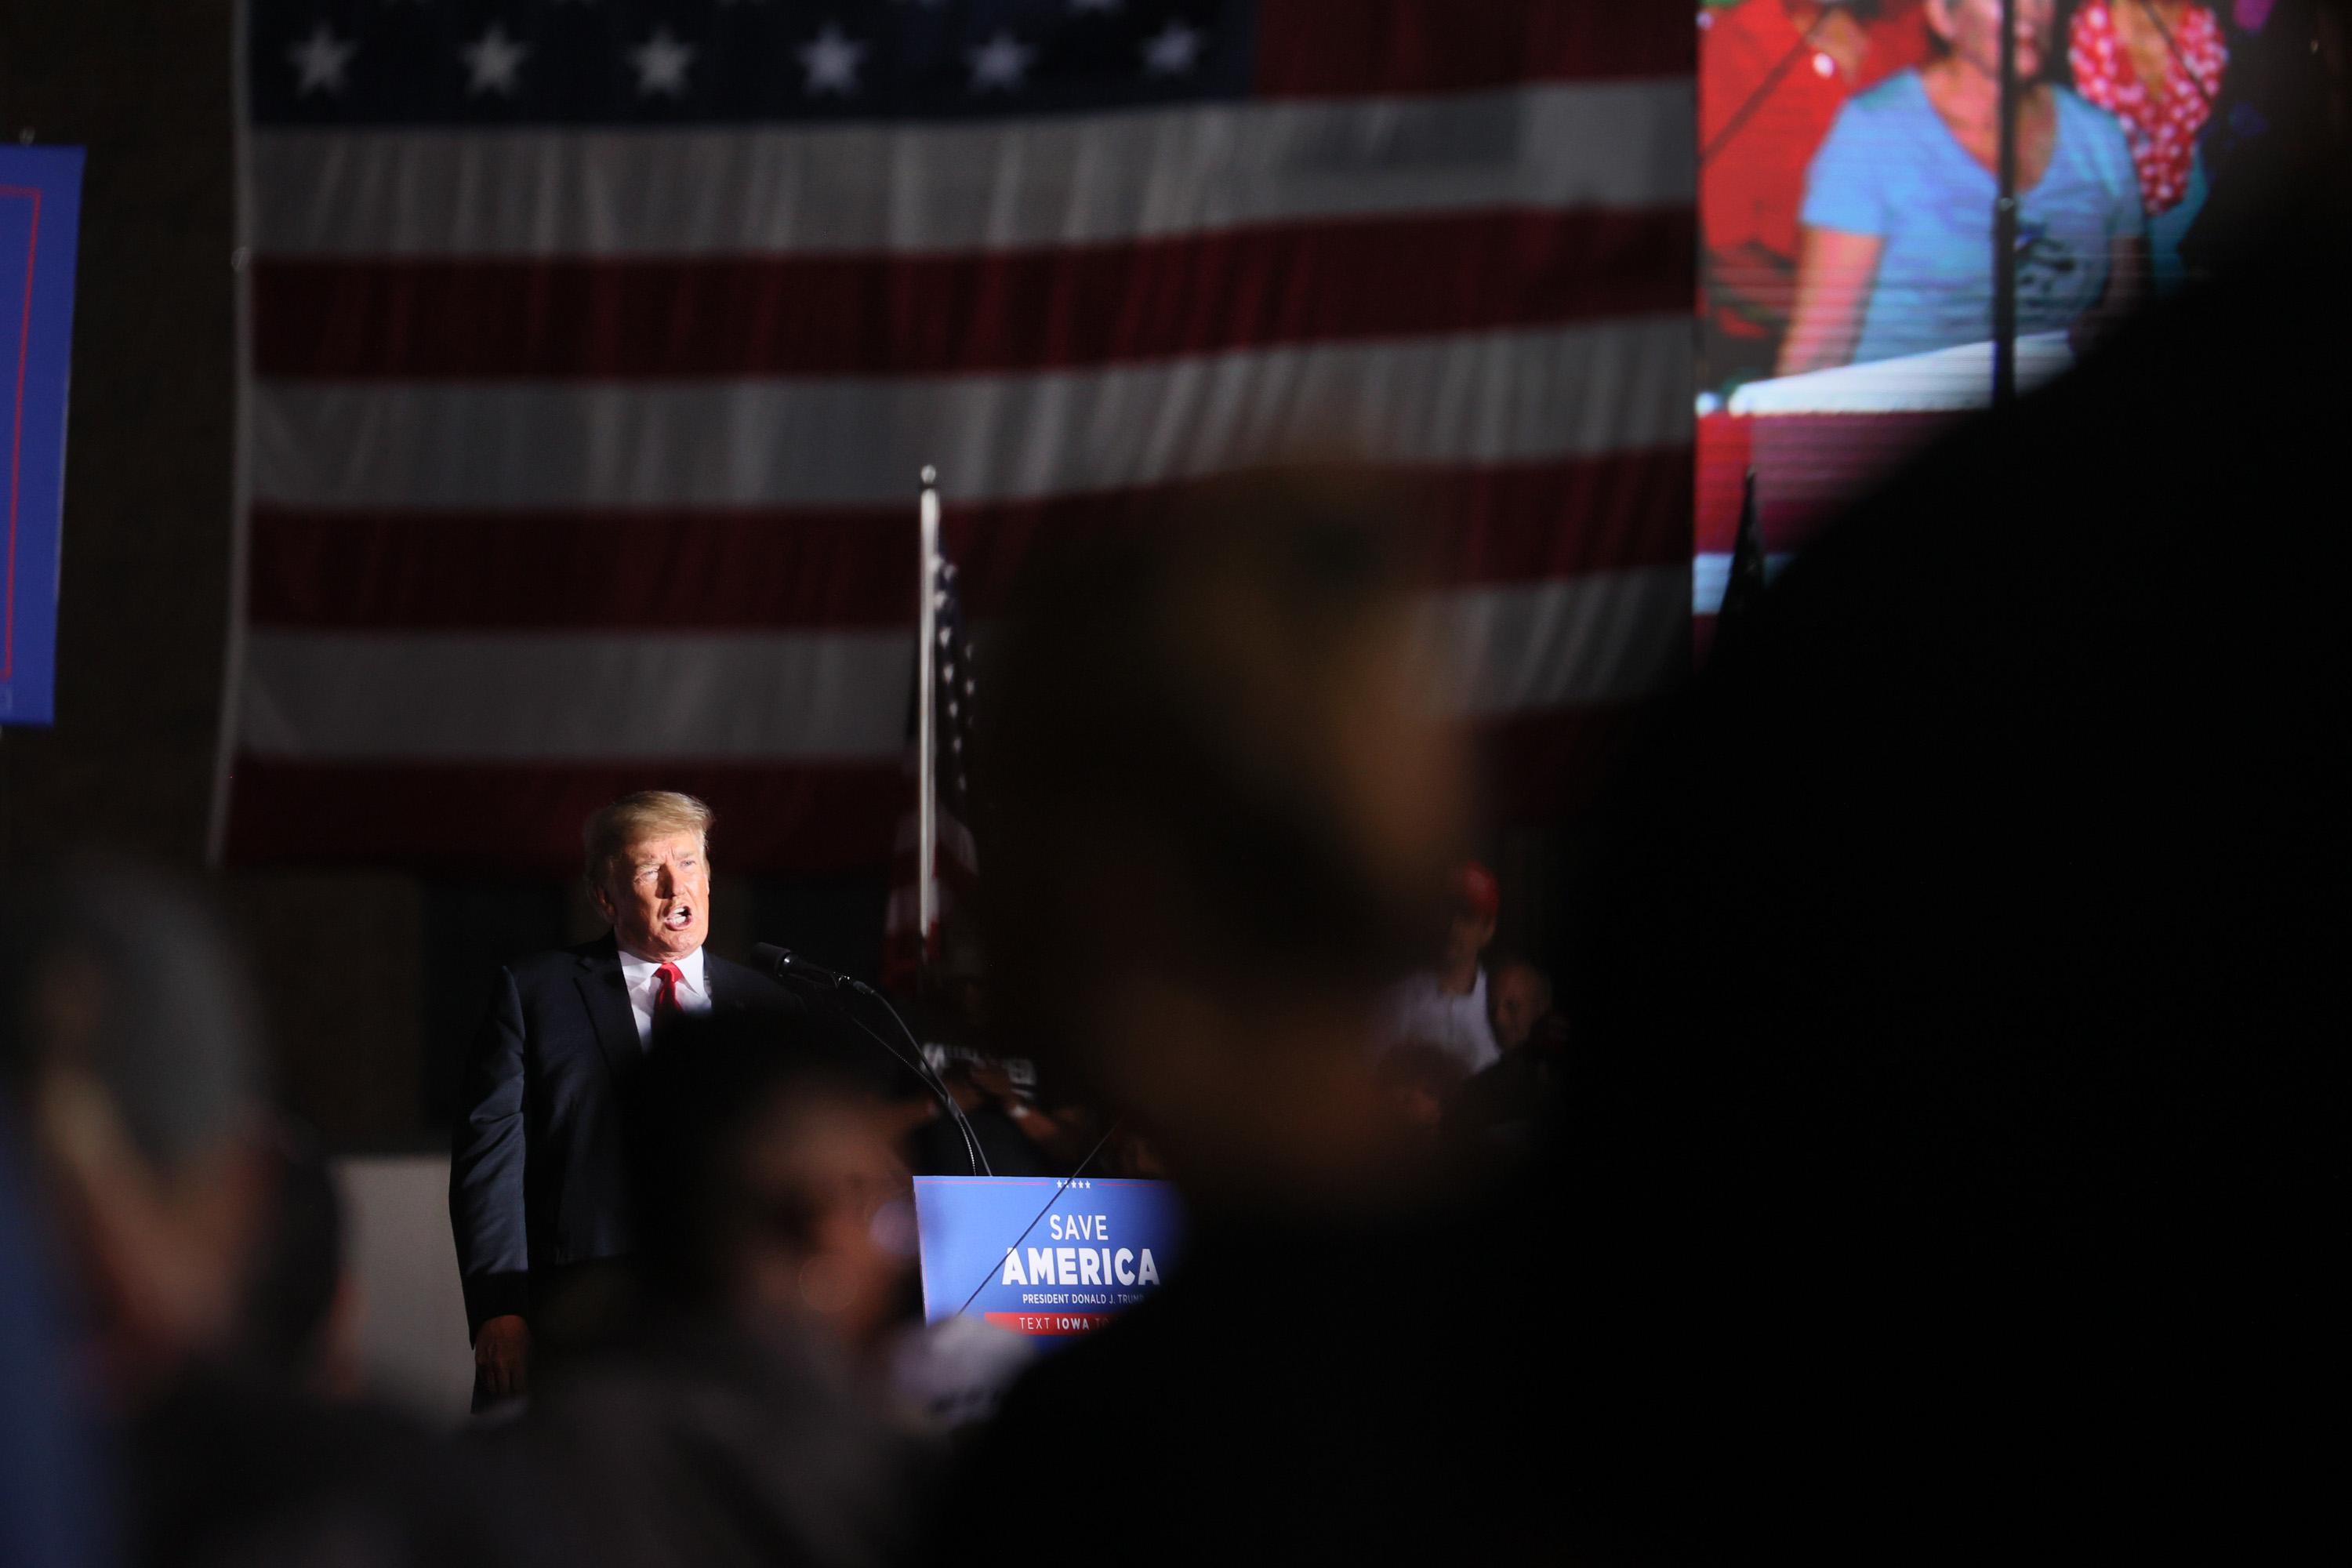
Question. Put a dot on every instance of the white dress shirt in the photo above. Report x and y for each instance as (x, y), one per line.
(1421, 1010)
(638, 979)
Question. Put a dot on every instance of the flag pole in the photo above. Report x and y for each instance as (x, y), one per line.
(925, 744)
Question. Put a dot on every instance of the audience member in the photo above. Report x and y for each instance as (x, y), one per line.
(135, 1051)
(1445, 1008)
(300, 1311)
(741, 1421)
(1223, 806)
(56, 1511)
(1964, 1127)
(1416, 1080)
(1510, 1104)
(1520, 1001)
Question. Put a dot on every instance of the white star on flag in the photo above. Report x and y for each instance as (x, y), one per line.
(319, 60)
(661, 61)
(1173, 51)
(1001, 62)
(831, 61)
(493, 59)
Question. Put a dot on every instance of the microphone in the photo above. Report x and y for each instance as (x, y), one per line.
(786, 964)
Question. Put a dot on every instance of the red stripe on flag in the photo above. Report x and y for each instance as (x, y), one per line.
(807, 818)
(1324, 48)
(856, 567)
(1543, 767)
(801, 819)
(1059, 308)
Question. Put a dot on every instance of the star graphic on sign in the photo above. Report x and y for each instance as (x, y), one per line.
(1001, 62)
(1172, 51)
(319, 60)
(492, 62)
(661, 61)
(830, 60)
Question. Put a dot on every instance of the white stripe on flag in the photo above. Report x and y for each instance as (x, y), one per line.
(426, 696)
(1488, 397)
(1059, 181)
(420, 696)
(1606, 636)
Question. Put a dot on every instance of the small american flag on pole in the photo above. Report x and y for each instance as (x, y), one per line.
(936, 866)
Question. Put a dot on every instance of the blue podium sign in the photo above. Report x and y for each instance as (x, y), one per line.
(40, 209)
(1043, 1256)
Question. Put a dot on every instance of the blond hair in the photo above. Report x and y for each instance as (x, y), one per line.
(633, 819)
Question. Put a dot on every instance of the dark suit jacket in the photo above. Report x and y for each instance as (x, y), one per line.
(535, 1183)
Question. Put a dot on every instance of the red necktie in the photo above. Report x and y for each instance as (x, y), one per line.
(666, 1007)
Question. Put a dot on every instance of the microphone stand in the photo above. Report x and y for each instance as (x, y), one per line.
(785, 965)
(2004, 222)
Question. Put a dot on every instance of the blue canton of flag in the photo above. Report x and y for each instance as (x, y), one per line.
(347, 62)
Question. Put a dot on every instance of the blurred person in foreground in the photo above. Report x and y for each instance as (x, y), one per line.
(55, 1509)
(1224, 801)
(1898, 215)
(743, 1420)
(1961, 1114)
(134, 1052)
(1445, 1008)
(537, 1196)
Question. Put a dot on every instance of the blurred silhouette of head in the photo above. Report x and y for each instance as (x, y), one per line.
(769, 1192)
(1220, 796)
(1959, 978)
(135, 1058)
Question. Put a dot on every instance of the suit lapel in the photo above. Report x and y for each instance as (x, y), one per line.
(719, 984)
(607, 1001)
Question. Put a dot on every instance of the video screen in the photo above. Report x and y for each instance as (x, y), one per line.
(1849, 155)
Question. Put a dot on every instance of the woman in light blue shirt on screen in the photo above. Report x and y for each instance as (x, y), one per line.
(1896, 249)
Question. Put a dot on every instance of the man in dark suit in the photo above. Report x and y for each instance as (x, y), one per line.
(537, 1193)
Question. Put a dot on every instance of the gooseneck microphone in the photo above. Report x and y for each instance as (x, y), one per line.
(786, 964)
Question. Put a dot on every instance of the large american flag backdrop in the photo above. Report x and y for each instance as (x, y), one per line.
(592, 348)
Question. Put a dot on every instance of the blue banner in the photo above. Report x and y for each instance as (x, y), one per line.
(40, 210)
(1043, 1256)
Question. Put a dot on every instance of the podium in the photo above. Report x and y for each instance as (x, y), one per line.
(1048, 1257)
